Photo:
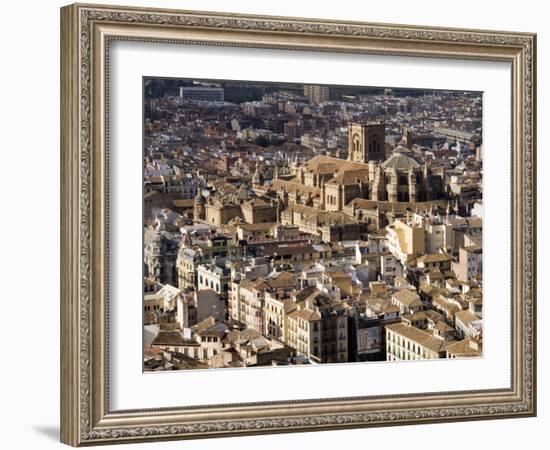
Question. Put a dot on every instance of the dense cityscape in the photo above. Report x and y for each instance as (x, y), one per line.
(291, 224)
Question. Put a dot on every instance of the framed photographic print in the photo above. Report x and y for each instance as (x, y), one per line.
(277, 224)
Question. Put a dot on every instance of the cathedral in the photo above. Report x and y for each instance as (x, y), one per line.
(369, 172)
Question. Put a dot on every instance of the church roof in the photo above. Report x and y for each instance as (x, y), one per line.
(351, 177)
(327, 164)
(322, 164)
(328, 167)
(292, 186)
(399, 161)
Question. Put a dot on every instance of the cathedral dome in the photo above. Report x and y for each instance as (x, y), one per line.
(401, 162)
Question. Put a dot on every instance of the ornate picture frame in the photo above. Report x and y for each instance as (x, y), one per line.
(86, 34)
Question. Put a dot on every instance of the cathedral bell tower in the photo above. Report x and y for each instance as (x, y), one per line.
(366, 142)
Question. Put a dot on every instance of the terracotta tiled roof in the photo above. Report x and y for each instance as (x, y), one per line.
(421, 337)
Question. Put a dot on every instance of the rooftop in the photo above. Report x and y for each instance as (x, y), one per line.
(401, 162)
(424, 339)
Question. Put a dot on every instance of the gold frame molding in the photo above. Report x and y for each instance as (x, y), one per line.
(86, 31)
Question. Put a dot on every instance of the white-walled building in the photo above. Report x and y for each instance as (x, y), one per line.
(211, 276)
